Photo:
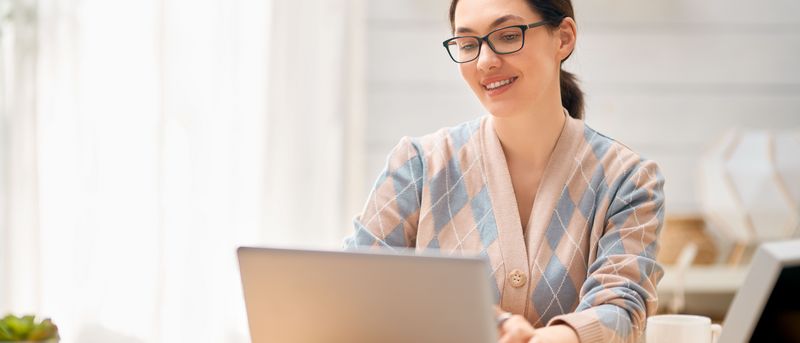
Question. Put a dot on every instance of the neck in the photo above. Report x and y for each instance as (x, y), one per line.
(529, 139)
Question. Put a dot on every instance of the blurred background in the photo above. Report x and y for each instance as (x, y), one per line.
(141, 142)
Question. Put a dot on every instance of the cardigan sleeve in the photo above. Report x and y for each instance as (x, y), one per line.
(620, 290)
(391, 214)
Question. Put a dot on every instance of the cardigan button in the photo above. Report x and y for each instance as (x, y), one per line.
(517, 278)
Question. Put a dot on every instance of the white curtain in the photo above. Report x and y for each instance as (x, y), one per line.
(157, 136)
(316, 109)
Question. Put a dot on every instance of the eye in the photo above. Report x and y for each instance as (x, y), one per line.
(510, 37)
(467, 46)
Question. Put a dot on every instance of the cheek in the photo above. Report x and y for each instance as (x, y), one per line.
(539, 52)
(466, 72)
(469, 74)
(538, 66)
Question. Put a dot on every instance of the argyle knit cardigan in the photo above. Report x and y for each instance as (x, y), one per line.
(588, 256)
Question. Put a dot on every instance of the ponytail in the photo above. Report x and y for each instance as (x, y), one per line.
(571, 95)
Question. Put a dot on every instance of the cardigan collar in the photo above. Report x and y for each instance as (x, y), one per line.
(516, 251)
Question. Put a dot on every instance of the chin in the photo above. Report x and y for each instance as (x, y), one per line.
(501, 109)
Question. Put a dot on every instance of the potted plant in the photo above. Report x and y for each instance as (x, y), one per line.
(27, 329)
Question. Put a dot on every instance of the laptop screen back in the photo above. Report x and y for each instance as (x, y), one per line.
(326, 296)
(780, 319)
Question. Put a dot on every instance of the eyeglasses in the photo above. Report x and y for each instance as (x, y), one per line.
(506, 40)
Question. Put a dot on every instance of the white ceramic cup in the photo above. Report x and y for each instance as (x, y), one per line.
(681, 328)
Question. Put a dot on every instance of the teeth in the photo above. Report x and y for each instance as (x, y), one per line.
(497, 84)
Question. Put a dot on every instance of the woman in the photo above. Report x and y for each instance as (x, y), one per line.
(568, 218)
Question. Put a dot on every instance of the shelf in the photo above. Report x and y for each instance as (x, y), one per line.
(708, 290)
(704, 279)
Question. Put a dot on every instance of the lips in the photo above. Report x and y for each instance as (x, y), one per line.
(497, 85)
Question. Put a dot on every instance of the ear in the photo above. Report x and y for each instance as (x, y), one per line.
(567, 34)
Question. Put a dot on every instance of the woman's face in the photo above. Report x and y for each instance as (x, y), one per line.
(531, 74)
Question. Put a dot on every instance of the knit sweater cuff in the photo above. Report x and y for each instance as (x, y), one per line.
(585, 324)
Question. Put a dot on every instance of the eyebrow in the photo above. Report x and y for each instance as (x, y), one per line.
(496, 22)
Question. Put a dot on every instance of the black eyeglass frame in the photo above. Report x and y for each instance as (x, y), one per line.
(489, 43)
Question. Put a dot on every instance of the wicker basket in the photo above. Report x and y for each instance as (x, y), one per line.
(679, 230)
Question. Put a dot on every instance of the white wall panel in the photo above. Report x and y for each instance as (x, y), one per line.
(637, 116)
(646, 13)
(686, 57)
(415, 56)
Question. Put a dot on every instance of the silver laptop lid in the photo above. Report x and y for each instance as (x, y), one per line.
(332, 296)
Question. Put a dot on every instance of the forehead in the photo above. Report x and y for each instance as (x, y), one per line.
(479, 14)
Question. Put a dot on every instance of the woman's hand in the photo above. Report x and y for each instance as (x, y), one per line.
(517, 329)
(514, 329)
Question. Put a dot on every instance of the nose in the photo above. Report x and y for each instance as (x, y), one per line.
(488, 59)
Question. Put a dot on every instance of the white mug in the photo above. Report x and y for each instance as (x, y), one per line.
(681, 328)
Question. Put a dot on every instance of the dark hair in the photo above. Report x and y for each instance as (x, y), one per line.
(553, 11)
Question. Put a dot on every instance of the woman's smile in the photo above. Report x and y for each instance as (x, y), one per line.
(495, 86)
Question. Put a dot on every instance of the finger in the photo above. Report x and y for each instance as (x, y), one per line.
(507, 339)
(502, 319)
(504, 326)
(535, 339)
(518, 322)
(515, 335)
(512, 337)
(517, 328)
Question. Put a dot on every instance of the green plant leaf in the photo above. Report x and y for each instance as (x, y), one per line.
(45, 330)
(13, 328)
(5, 332)
(19, 326)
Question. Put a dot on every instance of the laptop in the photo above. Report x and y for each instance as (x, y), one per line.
(315, 296)
(767, 306)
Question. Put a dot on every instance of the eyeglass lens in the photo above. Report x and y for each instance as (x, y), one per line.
(503, 41)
